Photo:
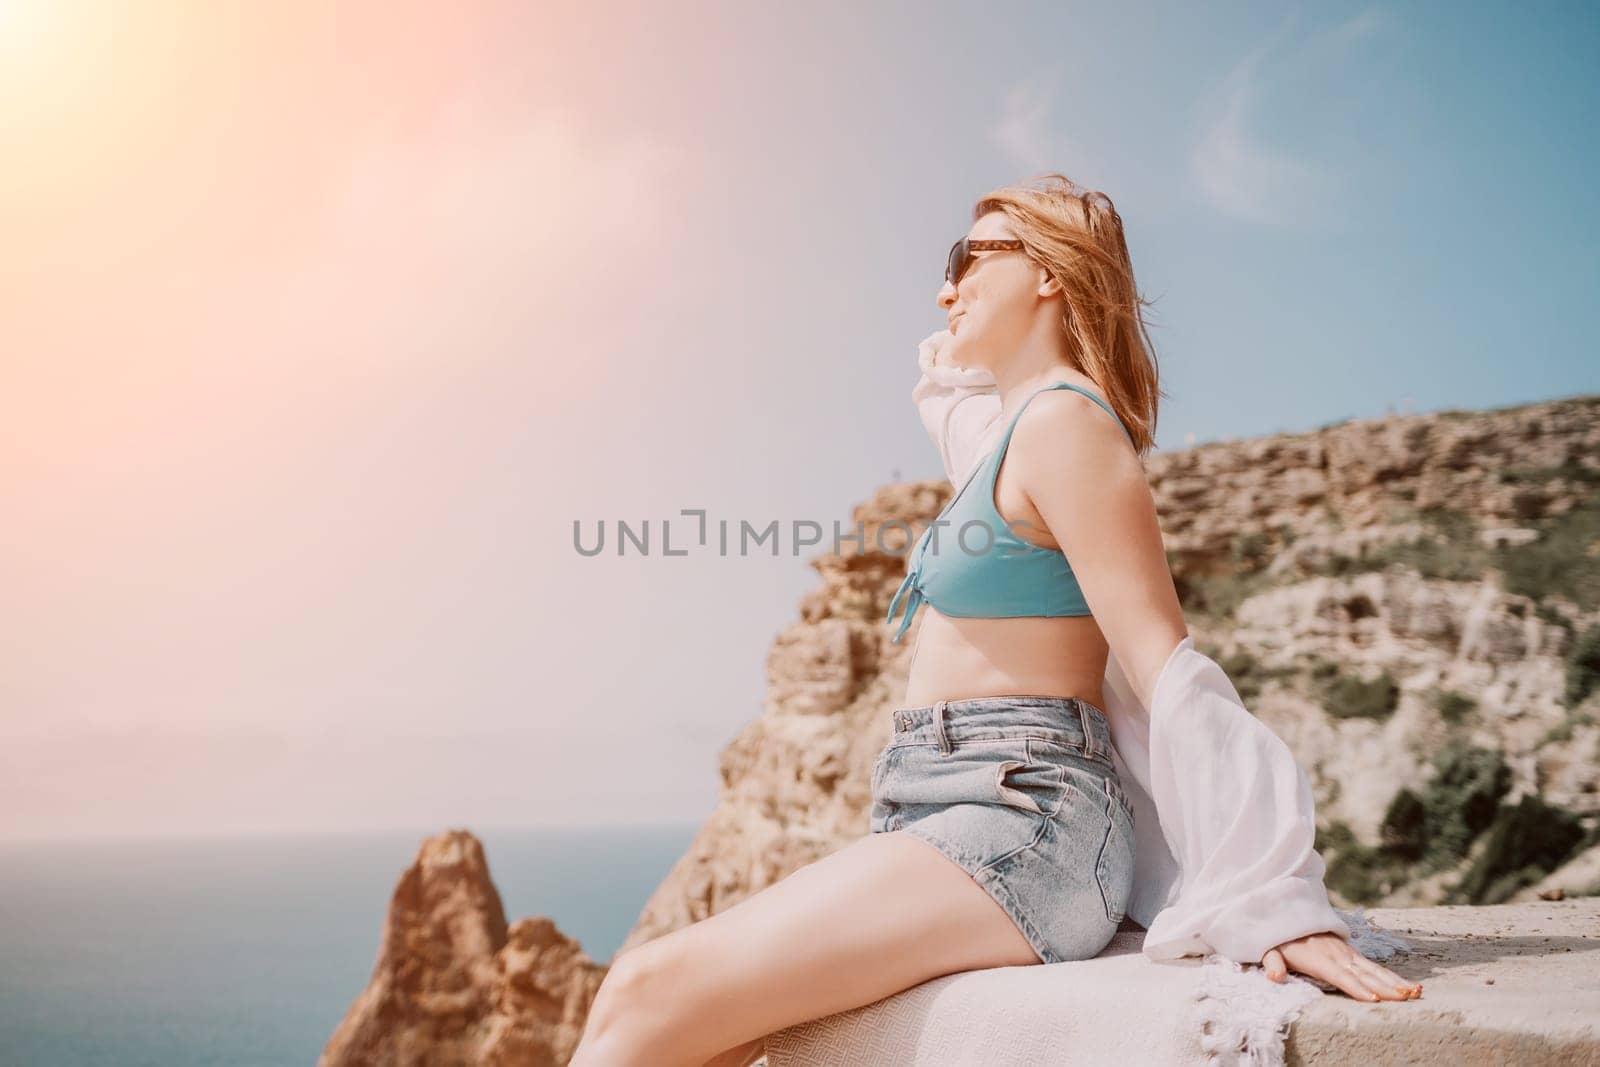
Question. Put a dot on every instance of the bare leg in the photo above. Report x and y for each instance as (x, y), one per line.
(743, 1056)
(880, 915)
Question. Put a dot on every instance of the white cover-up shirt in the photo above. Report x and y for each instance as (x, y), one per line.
(1224, 817)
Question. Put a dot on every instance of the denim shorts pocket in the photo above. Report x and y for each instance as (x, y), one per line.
(1030, 783)
(1114, 868)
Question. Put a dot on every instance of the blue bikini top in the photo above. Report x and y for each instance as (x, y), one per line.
(978, 568)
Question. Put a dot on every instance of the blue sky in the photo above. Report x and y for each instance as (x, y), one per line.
(328, 323)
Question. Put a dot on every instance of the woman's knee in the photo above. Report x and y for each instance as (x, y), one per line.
(633, 992)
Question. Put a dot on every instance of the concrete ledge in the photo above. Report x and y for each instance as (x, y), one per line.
(1513, 983)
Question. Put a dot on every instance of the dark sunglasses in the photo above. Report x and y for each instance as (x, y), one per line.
(961, 256)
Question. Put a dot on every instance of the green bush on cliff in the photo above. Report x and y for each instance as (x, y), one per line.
(1583, 666)
(1569, 471)
(1527, 841)
(1450, 551)
(1460, 800)
(1251, 551)
(1403, 833)
(1559, 561)
(1357, 698)
(1357, 872)
(1346, 696)
(1428, 831)
(1546, 611)
(1244, 671)
(1454, 707)
(1435, 828)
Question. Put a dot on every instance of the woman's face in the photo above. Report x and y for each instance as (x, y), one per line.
(992, 311)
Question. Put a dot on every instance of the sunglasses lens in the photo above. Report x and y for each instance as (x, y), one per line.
(956, 266)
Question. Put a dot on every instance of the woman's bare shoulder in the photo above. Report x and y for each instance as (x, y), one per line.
(1066, 417)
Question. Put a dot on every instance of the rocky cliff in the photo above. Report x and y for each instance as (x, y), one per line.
(1412, 602)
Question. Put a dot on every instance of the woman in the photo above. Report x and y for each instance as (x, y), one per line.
(1003, 832)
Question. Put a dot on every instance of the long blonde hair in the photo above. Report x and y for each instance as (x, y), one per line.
(1076, 235)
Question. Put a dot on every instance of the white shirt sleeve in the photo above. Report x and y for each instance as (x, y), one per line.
(959, 407)
(1237, 811)
(1224, 815)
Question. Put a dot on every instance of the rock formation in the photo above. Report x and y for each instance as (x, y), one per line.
(454, 985)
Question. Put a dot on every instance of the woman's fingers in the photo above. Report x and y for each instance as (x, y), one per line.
(1403, 988)
(1350, 980)
(1374, 987)
(1335, 962)
(1382, 980)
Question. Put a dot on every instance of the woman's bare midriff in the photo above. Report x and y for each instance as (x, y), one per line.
(956, 659)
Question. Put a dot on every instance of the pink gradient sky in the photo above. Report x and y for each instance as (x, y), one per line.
(320, 324)
(321, 330)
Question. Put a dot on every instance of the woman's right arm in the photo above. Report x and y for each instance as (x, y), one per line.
(959, 407)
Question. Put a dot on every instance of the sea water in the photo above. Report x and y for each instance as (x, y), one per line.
(248, 950)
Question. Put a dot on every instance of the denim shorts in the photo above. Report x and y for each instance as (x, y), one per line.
(1021, 793)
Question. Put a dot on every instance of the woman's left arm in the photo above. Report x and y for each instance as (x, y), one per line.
(1079, 471)
(1250, 865)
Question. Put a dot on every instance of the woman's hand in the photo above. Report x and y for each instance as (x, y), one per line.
(1329, 957)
